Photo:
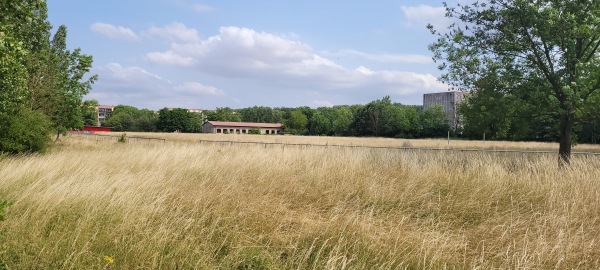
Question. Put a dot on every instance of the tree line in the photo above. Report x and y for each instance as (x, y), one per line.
(42, 82)
(380, 118)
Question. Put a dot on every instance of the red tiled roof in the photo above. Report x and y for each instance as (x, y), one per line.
(244, 124)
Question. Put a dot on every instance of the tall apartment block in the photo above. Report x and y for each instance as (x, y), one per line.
(104, 111)
(449, 102)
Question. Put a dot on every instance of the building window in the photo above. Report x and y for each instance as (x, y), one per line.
(218, 130)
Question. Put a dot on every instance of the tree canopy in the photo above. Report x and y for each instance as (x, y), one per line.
(41, 81)
(540, 52)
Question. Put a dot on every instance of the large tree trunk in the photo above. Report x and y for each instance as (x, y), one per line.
(567, 120)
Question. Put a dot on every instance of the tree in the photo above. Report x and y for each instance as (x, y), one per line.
(370, 118)
(414, 123)
(434, 122)
(129, 118)
(172, 120)
(89, 113)
(342, 120)
(257, 114)
(319, 124)
(545, 47)
(590, 123)
(22, 26)
(297, 123)
(394, 121)
(223, 114)
(69, 68)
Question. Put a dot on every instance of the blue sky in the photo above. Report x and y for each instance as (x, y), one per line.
(207, 54)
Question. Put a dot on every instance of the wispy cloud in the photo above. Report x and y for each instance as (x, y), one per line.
(274, 65)
(421, 15)
(174, 32)
(388, 58)
(203, 8)
(194, 88)
(137, 87)
(114, 32)
(275, 60)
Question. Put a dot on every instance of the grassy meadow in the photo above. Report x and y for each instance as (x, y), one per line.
(188, 205)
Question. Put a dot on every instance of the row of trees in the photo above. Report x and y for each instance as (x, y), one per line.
(377, 118)
(128, 118)
(511, 117)
(41, 82)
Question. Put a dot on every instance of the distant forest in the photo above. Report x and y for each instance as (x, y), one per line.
(379, 118)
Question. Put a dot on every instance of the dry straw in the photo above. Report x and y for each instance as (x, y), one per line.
(207, 206)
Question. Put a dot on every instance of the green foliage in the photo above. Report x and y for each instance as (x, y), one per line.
(320, 124)
(172, 120)
(89, 112)
(41, 82)
(384, 118)
(541, 53)
(69, 69)
(224, 114)
(255, 262)
(26, 131)
(341, 120)
(13, 73)
(435, 122)
(589, 127)
(3, 205)
(129, 118)
(259, 114)
(297, 123)
(122, 138)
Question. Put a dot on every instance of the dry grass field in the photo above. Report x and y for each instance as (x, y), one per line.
(189, 205)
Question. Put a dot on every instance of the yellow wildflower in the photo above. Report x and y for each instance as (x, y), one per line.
(109, 259)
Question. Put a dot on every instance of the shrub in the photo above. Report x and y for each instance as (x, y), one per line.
(122, 138)
(25, 132)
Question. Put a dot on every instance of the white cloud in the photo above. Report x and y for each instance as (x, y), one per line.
(113, 31)
(137, 87)
(203, 8)
(195, 88)
(255, 65)
(273, 60)
(389, 58)
(177, 32)
(421, 15)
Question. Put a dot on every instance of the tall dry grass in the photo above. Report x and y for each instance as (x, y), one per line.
(356, 141)
(210, 206)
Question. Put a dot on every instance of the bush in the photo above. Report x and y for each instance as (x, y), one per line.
(25, 132)
(122, 138)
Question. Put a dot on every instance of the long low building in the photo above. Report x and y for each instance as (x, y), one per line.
(241, 127)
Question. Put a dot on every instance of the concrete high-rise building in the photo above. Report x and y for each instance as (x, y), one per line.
(104, 111)
(449, 102)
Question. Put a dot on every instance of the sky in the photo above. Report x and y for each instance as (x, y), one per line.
(207, 54)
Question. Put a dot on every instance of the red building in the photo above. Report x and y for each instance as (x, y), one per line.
(93, 129)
